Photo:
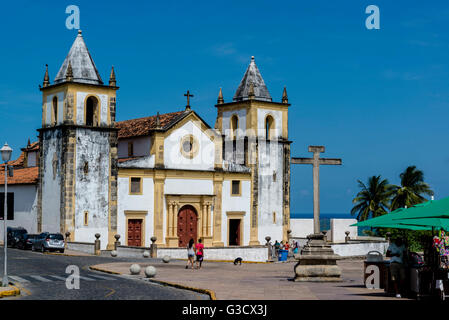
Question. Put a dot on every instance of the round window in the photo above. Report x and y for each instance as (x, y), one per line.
(189, 146)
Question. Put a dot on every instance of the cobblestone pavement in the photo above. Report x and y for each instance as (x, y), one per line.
(270, 281)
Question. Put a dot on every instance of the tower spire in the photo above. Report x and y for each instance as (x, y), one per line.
(112, 81)
(284, 96)
(69, 73)
(220, 99)
(46, 77)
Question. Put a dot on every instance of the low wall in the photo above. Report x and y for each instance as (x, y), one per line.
(359, 248)
(338, 227)
(252, 254)
(301, 228)
(85, 247)
(131, 252)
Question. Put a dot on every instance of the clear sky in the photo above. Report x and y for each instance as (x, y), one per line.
(378, 99)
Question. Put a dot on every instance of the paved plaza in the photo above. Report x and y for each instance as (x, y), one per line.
(259, 281)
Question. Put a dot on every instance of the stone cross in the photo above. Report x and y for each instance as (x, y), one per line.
(316, 161)
(188, 95)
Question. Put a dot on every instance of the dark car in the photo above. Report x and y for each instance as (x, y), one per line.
(14, 235)
(49, 242)
(26, 241)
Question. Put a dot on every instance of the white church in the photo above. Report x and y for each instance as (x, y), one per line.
(171, 176)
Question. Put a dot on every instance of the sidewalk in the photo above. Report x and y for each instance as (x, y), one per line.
(259, 281)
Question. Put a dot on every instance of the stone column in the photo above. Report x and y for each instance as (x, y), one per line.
(170, 219)
(204, 220)
(159, 210)
(208, 228)
(218, 188)
(175, 221)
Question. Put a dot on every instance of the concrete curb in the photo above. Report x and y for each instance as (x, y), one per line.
(66, 254)
(210, 293)
(8, 293)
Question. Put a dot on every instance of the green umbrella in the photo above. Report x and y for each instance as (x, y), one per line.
(430, 209)
(387, 221)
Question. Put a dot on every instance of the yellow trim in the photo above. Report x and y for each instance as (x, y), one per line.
(195, 146)
(240, 189)
(232, 127)
(271, 126)
(140, 215)
(141, 186)
(86, 218)
(235, 215)
(97, 111)
(182, 174)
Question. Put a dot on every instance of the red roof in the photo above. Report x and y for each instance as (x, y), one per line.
(144, 126)
(21, 176)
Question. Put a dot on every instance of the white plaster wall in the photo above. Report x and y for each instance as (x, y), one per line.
(173, 159)
(144, 162)
(51, 182)
(270, 198)
(231, 203)
(226, 121)
(141, 146)
(301, 228)
(189, 186)
(127, 202)
(103, 105)
(32, 159)
(359, 249)
(262, 114)
(25, 208)
(252, 254)
(92, 190)
(49, 107)
(339, 227)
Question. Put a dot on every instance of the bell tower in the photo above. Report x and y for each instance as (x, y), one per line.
(78, 151)
(255, 134)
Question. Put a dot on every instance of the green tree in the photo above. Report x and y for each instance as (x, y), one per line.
(373, 199)
(411, 190)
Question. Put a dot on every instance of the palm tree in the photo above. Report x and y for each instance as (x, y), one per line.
(373, 199)
(411, 190)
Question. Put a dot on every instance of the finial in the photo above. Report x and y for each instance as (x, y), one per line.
(188, 95)
(79, 31)
(284, 96)
(112, 81)
(220, 99)
(251, 94)
(69, 73)
(252, 58)
(158, 121)
(46, 78)
(29, 143)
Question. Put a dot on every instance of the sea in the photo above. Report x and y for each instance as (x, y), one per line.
(325, 220)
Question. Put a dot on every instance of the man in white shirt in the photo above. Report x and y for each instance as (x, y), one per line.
(396, 251)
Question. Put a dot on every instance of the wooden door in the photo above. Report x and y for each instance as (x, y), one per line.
(234, 232)
(187, 225)
(135, 232)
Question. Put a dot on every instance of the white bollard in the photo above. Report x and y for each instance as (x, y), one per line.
(134, 269)
(146, 254)
(150, 271)
(114, 253)
(166, 259)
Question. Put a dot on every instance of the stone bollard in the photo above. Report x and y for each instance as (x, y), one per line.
(135, 269)
(153, 247)
(347, 238)
(67, 238)
(116, 243)
(150, 271)
(146, 254)
(97, 244)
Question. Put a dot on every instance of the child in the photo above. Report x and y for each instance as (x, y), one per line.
(199, 254)
(190, 253)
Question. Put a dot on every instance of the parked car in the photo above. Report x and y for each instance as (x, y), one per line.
(14, 235)
(26, 241)
(49, 242)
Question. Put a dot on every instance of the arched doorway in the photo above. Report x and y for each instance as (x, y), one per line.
(187, 225)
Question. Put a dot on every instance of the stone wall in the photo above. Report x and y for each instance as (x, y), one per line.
(353, 249)
(301, 228)
(252, 254)
(85, 247)
(338, 227)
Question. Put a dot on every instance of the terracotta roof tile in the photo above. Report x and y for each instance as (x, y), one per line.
(21, 176)
(144, 126)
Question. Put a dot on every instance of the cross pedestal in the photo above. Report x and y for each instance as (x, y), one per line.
(317, 261)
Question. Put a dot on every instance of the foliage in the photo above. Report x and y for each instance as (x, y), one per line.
(413, 239)
(411, 190)
(373, 199)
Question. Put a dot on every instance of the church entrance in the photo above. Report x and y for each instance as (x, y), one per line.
(187, 225)
(234, 232)
(135, 232)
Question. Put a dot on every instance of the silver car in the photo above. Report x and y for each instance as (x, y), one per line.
(49, 242)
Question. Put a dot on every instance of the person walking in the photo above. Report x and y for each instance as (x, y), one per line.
(199, 253)
(190, 253)
(277, 246)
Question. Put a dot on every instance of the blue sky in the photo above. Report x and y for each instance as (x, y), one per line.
(379, 99)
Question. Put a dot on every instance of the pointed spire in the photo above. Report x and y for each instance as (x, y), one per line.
(112, 81)
(29, 143)
(46, 77)
(69, 73)
(220, 99)
(252, 75)
(284, 96)
(251, 94)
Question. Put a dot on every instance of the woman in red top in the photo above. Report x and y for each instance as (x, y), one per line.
(199, 253)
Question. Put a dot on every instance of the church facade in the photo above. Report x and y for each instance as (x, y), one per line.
(171, 175)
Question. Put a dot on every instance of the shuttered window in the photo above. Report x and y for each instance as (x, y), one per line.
(136, 185)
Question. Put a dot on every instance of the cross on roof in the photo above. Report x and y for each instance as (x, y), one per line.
(188, 95)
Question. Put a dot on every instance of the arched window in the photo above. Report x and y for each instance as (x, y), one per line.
(234, 126)
(269, 127)
(91, 111)
(55, 110)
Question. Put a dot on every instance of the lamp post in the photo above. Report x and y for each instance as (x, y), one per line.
(6, 155)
